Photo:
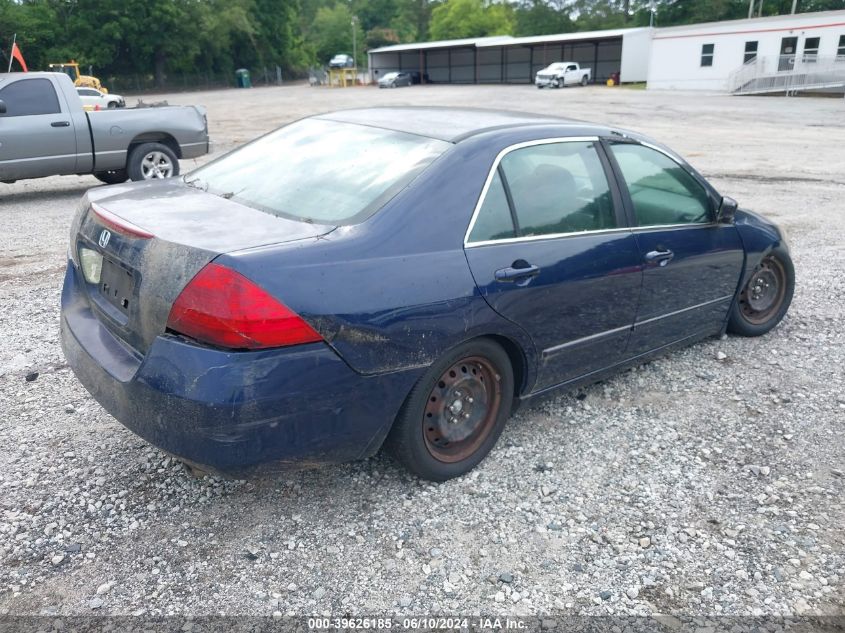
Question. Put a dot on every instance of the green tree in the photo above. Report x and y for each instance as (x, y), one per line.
(539, 17)
(455, 19)
(331, 33)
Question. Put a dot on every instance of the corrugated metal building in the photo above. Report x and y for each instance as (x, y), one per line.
(768, 54)
(515, 60)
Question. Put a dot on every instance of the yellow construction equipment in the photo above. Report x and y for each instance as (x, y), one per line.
(343, 77)
(71, 69)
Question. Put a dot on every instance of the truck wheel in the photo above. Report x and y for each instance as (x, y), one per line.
(151, 161)
(556, 83)
(584, 80)
(113, 177)
(455, 413)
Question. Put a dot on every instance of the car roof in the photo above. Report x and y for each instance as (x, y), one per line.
(453, 124)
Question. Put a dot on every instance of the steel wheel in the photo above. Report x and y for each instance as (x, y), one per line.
(764, 293)
(156, 164)
(462, 409)
(455, 412)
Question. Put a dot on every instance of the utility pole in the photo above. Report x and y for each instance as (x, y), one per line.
(354, 42)
(751, 4)
(794, 6)
(14, 41)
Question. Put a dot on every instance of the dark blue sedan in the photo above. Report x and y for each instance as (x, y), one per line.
(401, 277)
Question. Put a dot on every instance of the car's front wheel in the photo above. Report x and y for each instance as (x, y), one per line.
(765, 297)
(455, 413)
(557, 83)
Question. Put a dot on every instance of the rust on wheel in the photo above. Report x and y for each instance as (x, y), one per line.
(462, 409)
(763, 295)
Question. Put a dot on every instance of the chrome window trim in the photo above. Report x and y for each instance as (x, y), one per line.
(491, 174)
(547, 236)
(662, 227)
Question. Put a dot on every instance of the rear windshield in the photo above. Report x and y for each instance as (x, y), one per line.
(320, 171)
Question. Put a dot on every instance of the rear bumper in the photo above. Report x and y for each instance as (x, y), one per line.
(194, 150)
(232, 412)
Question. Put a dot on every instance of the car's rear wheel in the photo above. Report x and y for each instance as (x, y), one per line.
(151, 161)
(113, 177)
(455, 413)
(765, 298)
(584, 80)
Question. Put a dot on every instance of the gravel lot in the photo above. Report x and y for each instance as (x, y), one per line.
(707, 482)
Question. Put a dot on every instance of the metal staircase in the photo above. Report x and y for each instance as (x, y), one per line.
(788, 74)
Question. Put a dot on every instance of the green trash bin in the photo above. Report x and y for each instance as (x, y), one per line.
(242, 78)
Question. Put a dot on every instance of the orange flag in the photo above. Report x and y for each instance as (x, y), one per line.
(16, 54)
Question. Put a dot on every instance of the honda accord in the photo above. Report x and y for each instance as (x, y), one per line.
(402, 277)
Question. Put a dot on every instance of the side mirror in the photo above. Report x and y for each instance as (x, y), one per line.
(727, 210)
(2, 107)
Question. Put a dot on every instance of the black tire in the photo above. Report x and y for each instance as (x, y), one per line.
(438, 442)
(584, 80)
(136, 167)
(112, 104)
(557, 83)
(764, 299)
(113, 177)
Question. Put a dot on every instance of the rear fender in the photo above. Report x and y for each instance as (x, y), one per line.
(383, 327)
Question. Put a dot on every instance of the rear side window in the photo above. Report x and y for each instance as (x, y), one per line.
(555, 188)
(318, 170)
(662, 191)
(494, 220)
(29, 97)
(559, 188)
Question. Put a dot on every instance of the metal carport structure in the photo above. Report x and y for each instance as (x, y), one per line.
(506, 59)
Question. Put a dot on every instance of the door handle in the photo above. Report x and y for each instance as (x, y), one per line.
(513, 274)
(60, 124)
(661, 256)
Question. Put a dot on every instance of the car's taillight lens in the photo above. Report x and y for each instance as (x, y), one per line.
(222, 307)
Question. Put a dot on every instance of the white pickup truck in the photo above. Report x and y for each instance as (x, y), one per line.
(562, 74)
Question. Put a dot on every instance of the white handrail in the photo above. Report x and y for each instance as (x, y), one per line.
(788, 73)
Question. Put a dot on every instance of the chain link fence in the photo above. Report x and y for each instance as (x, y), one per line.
(186, 82)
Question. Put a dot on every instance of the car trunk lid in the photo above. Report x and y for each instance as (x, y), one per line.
(153, 239)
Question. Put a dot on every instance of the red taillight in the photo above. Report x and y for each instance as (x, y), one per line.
(222, 307)
(116, 223)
